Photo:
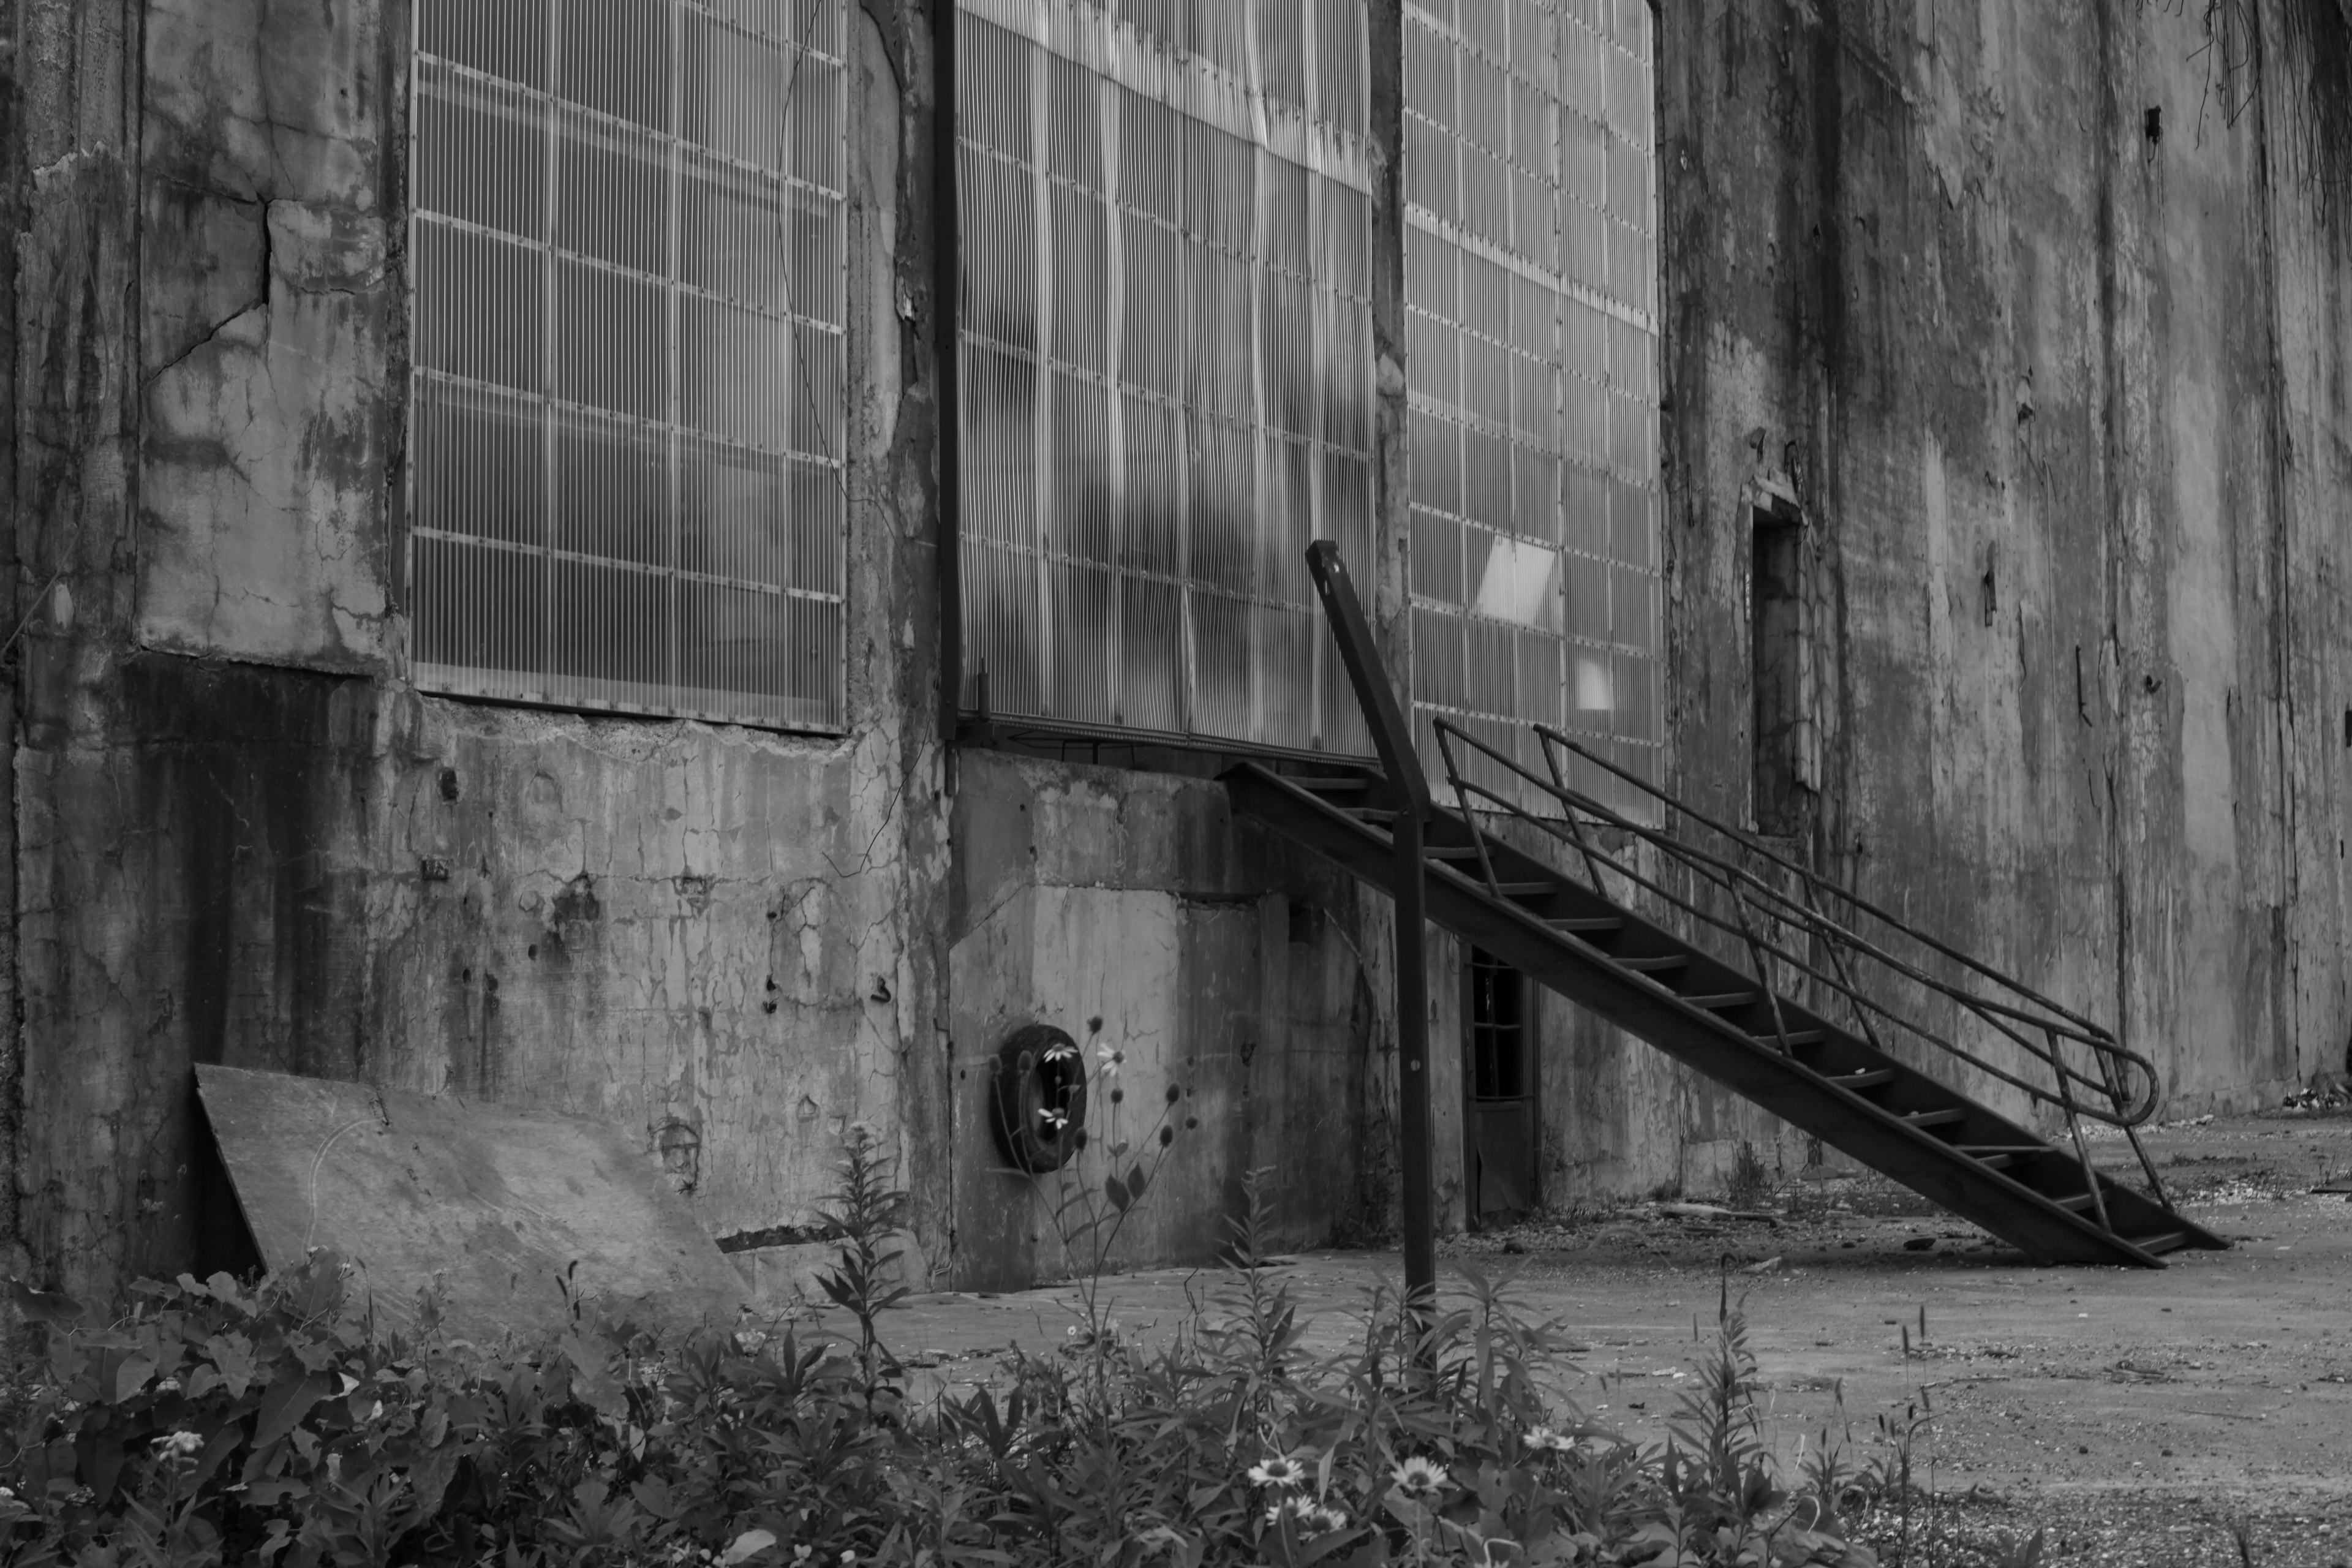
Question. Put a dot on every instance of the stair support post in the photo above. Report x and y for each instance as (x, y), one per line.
(1408, 791)
(2074, 1126)
(1414, 1105)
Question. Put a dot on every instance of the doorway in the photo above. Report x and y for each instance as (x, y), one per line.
(1783, 733)
(1499, 1083)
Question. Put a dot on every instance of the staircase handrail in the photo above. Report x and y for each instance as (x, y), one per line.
(2055, 1020)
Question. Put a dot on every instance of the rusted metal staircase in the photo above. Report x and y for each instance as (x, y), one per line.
(1749, 1027)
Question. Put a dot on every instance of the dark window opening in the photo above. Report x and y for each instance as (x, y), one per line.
(1499, 1065)
(1781, 673)
(1500, 1090)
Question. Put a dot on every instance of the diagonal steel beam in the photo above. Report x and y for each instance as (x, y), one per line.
(1408, 791)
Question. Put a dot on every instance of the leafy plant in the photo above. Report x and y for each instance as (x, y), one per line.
(1750, 1185)
(870, 1212)
(222, 1422)
(1094, 1196)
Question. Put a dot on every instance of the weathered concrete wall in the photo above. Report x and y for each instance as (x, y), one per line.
(1131, 910)
(247, 838)
(1941, 267)
(272, 321)
(2005, 292)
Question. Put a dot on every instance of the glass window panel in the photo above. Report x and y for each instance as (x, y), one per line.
(1073, 124)
(482, 463)
(481, 153)
(612, 195)
(1555, 262)
(482, 611)
(480, 307)
(611, 490)
(614, 57)
(658, 551)
(1436, 558)
(1193, 267)
(503, 37)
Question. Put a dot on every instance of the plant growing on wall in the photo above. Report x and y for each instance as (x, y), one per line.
(1092, 1196)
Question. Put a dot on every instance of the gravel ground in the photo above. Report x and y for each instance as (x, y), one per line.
(2198, 1417)
(2138, 1419)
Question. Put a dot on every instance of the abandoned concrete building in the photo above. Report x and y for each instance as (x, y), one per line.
(699, 563)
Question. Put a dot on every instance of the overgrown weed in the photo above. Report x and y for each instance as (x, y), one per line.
(220, 1422)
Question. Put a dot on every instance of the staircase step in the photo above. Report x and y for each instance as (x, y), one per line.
(1331, 785)
(2078, 1202)
(1349, 821)
(2001, 1156)
(1722, 1002)
(1586, 925)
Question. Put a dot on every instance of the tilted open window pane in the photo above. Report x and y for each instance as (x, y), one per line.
(1167, 361)
(1530, 268)
(627, 402)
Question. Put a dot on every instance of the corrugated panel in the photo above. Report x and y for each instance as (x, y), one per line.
(1530, 268)
(1166, 360)
(627, 403)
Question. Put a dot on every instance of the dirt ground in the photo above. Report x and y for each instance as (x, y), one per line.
(2198, 1416)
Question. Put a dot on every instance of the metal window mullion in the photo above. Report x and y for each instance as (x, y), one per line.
(1180, 293)
(673, 308)
(1040, 189)
(1556, 431)
(1318, 358)
(1257, 614)
(1115, 414)
(550, 364)
(1515, 697)
(838, 259)
(419, 632)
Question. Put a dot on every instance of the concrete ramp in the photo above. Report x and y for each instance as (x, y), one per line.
(494, 1205)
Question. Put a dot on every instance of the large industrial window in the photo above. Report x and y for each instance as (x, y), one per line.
(1532, 357)
(1166, 360)
(628, 258)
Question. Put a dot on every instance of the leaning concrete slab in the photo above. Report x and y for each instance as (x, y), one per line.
(492, 1206)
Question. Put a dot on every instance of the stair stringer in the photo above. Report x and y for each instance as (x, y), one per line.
(1710, 1045)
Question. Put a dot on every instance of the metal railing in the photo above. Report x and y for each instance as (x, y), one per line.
(1834, 938)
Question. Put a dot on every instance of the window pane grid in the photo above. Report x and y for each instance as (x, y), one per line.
(628, 256)
(1531, 303)
(1166, 360)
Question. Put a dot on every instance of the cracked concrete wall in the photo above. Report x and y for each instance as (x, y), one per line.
(272, 322)
(2006, 292)
(244, 837)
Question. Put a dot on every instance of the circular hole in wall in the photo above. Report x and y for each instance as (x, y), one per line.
(1039, 1098)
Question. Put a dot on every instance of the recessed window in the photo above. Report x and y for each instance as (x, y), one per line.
(1532, 363)
(628, 399)
(1786, 736)
(1167, 361)
(1499, 1087)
